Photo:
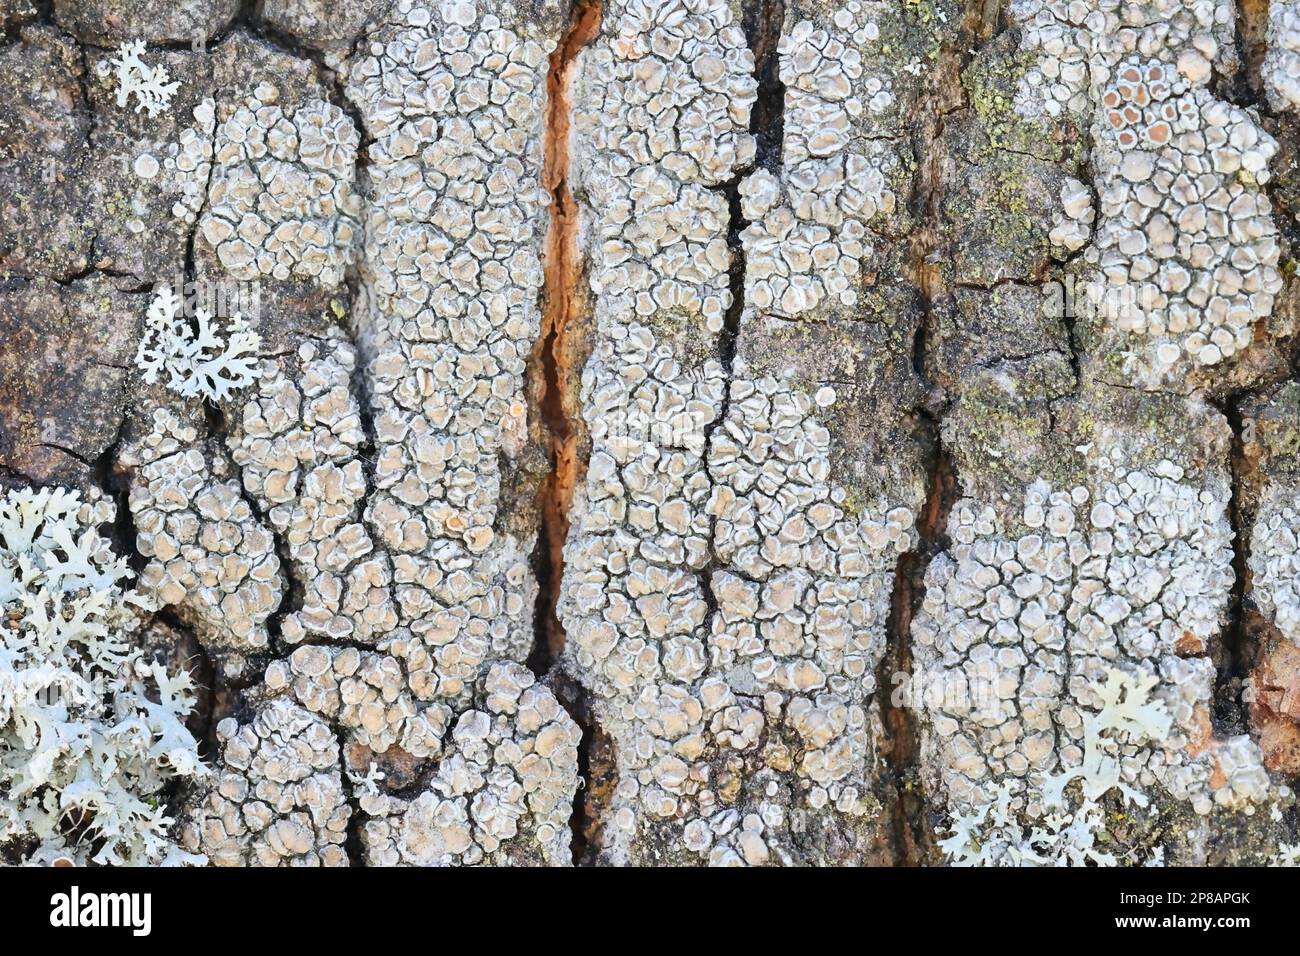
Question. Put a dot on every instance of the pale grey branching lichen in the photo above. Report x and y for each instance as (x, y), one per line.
(91, 731)
(148, 84)
(1067, 834)
(194, 355)
(1287, 855)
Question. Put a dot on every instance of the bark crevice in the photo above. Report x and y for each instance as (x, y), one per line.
(1234, 653)
(555, 371)
(912, 832)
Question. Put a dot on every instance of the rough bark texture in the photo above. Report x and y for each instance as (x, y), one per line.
(684, 431)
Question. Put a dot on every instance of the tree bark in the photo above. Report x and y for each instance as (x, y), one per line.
(681, 431)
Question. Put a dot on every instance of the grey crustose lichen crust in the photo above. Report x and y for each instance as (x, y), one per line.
(649, 432)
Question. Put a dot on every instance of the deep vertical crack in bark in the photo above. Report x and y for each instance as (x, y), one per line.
(1243, 637)
(558, 357)
(352, 844)
(1252, 44)
(762, 23)
(1234, 654)
(912, 832)
(912, 835)
(560, 353)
